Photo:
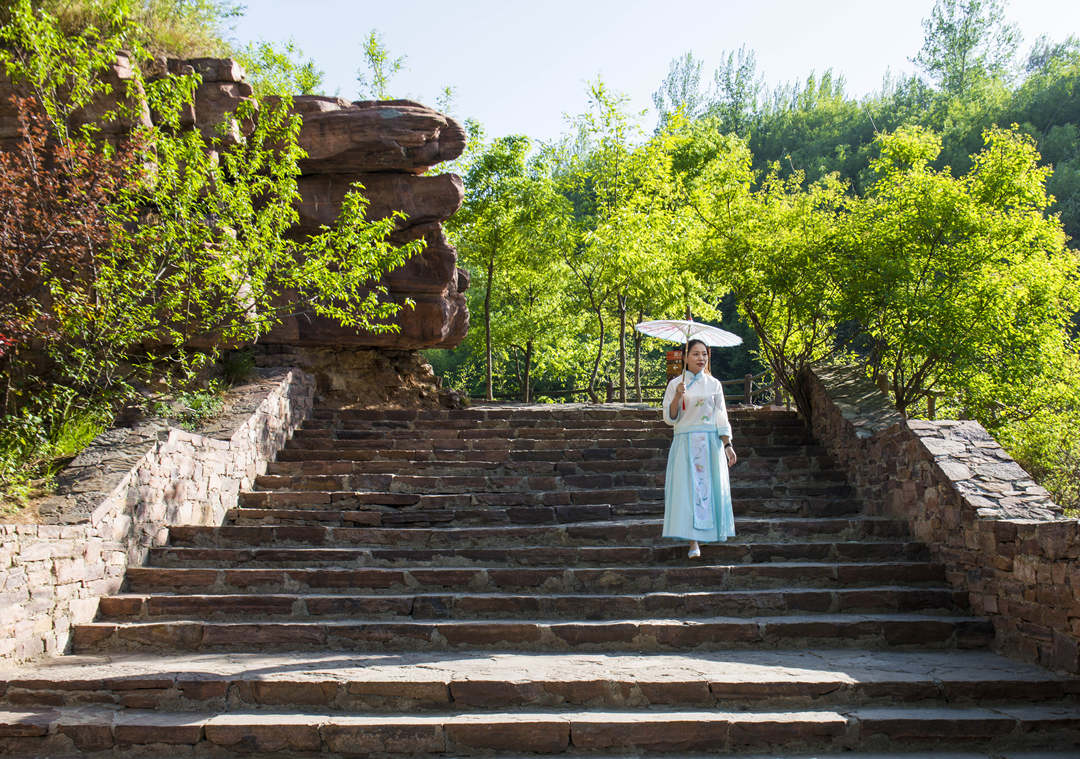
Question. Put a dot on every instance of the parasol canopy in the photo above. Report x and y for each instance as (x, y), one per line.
(683, 331)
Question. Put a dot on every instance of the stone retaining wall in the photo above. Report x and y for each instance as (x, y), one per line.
(998, 534)
(117, 498)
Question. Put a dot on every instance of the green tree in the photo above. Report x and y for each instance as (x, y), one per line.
(485, 229)
(681, 90)
(374, 82)
(190, 250)
(279, 69)
(966, 41)
(957, 279)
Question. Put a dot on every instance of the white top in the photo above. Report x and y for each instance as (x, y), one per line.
(704, 402)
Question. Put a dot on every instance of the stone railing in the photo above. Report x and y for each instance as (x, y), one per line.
(998, 534)
(117, 499)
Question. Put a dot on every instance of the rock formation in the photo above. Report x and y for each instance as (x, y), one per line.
(387, 146)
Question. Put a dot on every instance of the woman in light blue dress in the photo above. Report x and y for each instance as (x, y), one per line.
(697, 491)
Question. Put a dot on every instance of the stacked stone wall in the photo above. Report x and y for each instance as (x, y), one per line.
(998, 534)
(117, 499)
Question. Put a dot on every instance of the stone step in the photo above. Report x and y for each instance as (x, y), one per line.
(880, 630)
(499, 413)
(546, 555)
(649, 421)
(747, 473)
(415, 509)
(592, 606)
(596, 485)
(65, 731)
(634, 531)
(320, 514)
(612, 579)
(748, 466)
(467, 419)
(340, 681)
(536, 438)
(330, 450)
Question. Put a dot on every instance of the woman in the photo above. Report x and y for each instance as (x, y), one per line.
(697, 492)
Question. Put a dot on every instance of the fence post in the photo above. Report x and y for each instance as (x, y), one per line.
(930, 406)
(748, 389)
(610, 390)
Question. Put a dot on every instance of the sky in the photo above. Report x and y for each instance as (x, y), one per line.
(522, 67)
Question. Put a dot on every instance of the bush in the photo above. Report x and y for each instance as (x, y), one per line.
(116, 259)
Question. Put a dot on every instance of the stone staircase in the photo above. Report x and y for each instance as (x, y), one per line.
(492, 581)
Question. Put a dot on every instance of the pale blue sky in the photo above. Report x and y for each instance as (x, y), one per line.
(518, 67)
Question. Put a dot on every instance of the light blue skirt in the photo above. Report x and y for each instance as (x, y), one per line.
(679, 492)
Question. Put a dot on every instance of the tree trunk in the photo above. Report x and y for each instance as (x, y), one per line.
(599, 353)
(526, 388)
(487, 326)
(637, 362)
(622, 349)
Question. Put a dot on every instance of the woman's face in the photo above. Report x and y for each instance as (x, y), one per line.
(698, 358)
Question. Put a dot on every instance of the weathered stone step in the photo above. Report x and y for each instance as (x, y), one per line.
(321, 514)
(329, 450)
(532, 487)
(634, 531)
(132, 732)
(340, 681)
(745, 552)
(748, 471)
(404, 509)
(612, 579)
(525, 439)
(494, 413)
(546, 419)
(685, 605)
(653, 419)
(656, 435)
(812, 630)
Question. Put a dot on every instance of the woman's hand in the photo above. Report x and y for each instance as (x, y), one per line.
(731, 457)
(680, 391)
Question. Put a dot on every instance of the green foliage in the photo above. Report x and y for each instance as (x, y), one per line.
(279, 69)
(191, 408)
(966, 41)
(374, 82)
(177, 28)
(237, 366)
(171, 240)
(957, 281)
(33, 447)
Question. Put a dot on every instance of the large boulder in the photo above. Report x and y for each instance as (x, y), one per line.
(367, 136)
(387, 147)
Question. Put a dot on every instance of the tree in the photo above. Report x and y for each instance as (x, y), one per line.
(957, 280)
(484, 230)
(681, 90)
(139, 261)
(374, 83)
(737, 87)
(279, 69)
(772, 248)
(598, 177)
(966, 41)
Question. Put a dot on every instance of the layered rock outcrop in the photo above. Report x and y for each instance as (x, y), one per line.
(387, 146)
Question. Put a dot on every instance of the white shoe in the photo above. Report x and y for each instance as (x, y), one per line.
(695, 550)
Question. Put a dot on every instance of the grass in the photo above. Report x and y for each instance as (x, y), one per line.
(32, 452)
